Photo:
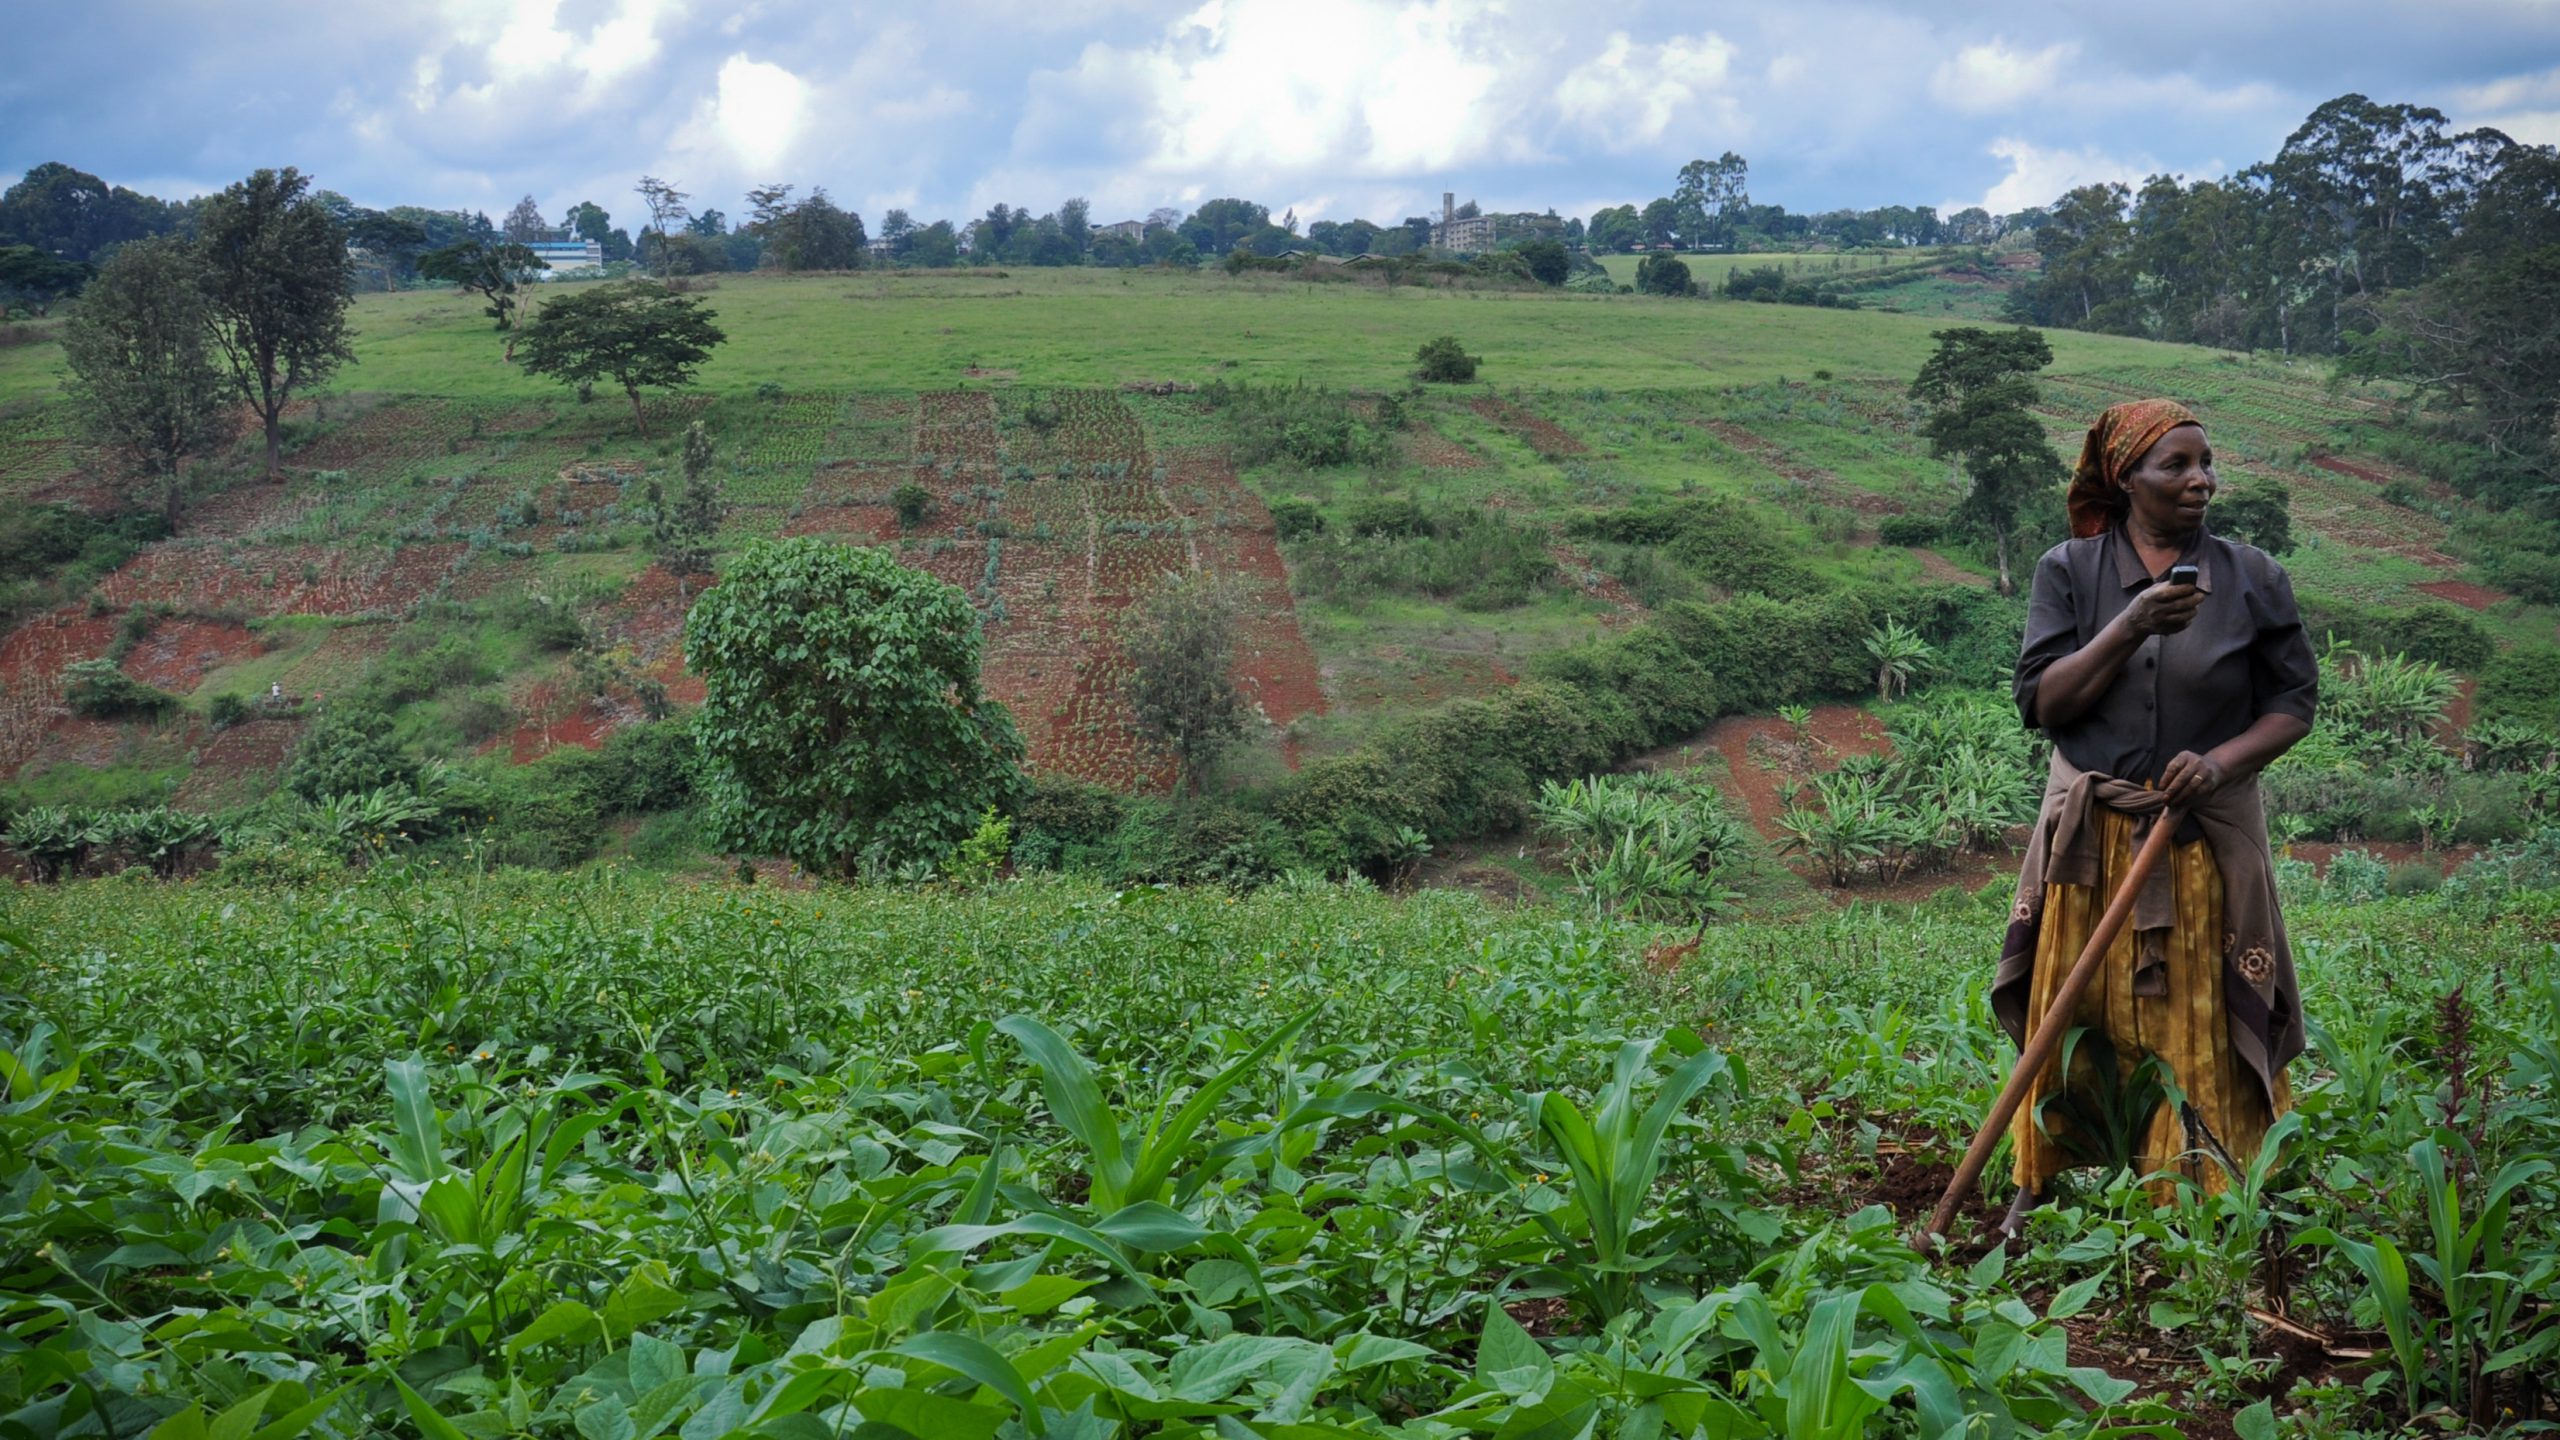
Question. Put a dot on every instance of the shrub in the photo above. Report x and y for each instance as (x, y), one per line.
(2415, 877)
(1294, 517)
(912, 502)
(2260, 513)
(1443, 361)
(2521, 684)
(1069, 813)
(97, 690)
(226, 710)
(1910, 529)
(2439, 634)
(1724, 542)
(844, 725)
(347, 751)
(646, 768)
(1306, 425)
(1664, 275)
(1389, 515)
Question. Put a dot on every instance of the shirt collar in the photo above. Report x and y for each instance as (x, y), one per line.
(2132, 576)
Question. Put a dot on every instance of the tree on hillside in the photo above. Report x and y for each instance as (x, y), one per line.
(1980, 386)
(1181, 640)
(1664, 275)
(143, 377)
(664, 201)
(842, 720)
(279, 276)
(1547, 261)
(525, 223)
(30, 277)
(494, 272)
(73, 215)
(810, 234)
(635, 334)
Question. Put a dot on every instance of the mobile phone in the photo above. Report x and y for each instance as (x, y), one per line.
(2182, 574)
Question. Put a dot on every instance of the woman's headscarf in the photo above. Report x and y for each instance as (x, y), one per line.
(2123, 435)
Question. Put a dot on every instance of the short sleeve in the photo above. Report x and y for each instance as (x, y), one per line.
(2283, 674)
(2053, 629)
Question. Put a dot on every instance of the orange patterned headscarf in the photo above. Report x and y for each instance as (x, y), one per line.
(2123, 435)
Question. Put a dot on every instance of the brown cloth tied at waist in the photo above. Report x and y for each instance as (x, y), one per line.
(2260, 993)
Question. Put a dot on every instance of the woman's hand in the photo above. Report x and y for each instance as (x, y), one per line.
(2191, 779)
(2163, 609)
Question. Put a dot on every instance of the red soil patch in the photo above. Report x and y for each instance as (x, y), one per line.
(861, 524)
(2464, 593)
(1550, 440)
(1432, 450)
(1939, 568)
(1834, 730)
(1624, 607)
(2336, 466)
(281, 580)
(179, 653)
(555, 717)
(237, 765)
(32, 658)
(251, 507)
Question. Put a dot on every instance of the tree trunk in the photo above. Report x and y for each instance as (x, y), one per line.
(2001, 544)
(275, 442)
(637, 418)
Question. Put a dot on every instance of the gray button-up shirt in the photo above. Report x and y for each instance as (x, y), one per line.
(2245, 656)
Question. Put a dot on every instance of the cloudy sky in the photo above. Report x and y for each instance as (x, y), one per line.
(1335, 108)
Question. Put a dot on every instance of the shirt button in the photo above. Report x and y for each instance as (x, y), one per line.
(2146, 662)
(2147, 705)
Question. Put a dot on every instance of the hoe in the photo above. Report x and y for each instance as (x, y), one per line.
(2048, 1033)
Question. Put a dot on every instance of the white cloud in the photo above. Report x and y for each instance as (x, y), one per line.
(2525, 107)
(1982, 78)
(1629, 94)
(1250, 91)
(2039, 176)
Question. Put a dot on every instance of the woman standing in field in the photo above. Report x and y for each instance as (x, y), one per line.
(2165, 690)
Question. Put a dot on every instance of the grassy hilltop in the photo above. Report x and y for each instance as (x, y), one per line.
(466, 541)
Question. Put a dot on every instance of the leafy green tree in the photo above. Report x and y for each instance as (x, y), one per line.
(1664, 275)
(279, 276)
(30, 277)
(1548, 264)
(495, 272)
(935, 247)
(634, 334)
(349, 750)
(525, 223)
(842, 723)
(1980, 387)
(1181, 640)
(143, 376)
(2260, 514)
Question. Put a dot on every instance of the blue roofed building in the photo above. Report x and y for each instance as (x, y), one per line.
(567, 257)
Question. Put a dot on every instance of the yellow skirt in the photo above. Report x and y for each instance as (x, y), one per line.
(2186, 1027)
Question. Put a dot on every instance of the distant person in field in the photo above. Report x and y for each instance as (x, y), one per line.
(2158, 697)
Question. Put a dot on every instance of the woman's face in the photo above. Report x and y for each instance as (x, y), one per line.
(2173, 482)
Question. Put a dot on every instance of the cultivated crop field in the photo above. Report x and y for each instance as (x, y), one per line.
(452, 1154)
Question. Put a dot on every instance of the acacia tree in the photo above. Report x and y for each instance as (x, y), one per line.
(1980, 384)
(494, 272)
(634, 334)
(666, 207)
(278, 276)
(842, 718)
(143, 377)
(1181, 641)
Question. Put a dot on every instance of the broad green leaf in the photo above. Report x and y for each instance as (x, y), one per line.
(2075, 1297)
(423, 1415)
(980, 1362)
(1508, 1359)
(564, 1320)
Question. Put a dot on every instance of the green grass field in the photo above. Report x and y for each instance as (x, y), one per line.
(926, 331)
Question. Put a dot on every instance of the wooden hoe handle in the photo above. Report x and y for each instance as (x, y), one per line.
(2048, 1034)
